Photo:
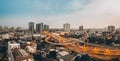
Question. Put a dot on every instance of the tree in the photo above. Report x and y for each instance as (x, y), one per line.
(115, 59)
(84, 58)
(38, 57)
(53, 54)
(109, 41)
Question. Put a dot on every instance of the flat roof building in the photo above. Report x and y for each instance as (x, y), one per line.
(15, 53)
(21, 55)
(81, 28)
(111, 28)
(66, 27)
(39, 28)
(31, 26)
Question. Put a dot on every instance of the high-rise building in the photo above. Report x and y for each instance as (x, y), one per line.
(0, 28)
(31, 26)
(111, 28)
(39, 28)
(81, 28)
(66, 27)
(46, 27)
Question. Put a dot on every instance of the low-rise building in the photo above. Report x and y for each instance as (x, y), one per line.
(11, 46)
(15, 53)
(21, 55)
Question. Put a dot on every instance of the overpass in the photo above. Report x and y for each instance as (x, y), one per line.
(94, 51)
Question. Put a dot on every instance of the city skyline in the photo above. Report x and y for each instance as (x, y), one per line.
(89, 13)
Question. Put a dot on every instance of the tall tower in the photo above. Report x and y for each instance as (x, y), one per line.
(31, 26)
(66, 27)
(111, 28)
(46, 27)
(0, 28)
(39, 28)
(81, 28)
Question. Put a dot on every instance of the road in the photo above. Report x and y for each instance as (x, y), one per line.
(94, 51)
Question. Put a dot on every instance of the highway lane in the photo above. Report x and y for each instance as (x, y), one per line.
(94, 51)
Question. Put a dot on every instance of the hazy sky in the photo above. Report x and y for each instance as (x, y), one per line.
(89, 13)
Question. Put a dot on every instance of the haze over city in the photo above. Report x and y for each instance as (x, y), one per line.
(59, 30)
(89, 13)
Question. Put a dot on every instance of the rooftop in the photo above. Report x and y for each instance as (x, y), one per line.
(19, 52)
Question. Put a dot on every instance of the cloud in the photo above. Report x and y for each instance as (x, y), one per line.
(95, 14)
(74, 5)
(77, 4)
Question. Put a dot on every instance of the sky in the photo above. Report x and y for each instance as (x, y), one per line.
(89, 13)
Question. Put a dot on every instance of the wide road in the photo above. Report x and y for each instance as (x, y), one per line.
(94, 51)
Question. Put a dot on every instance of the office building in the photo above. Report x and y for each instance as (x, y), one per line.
(81, 28)
(111, 28)
(46, 27)
(39, 28)
(31, 26)
(66, 27)
(0, 28)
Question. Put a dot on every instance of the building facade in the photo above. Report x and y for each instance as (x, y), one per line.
(81, 28)
(46, 27)
(31, 26)
(66, 27)
(12, 45)
(16, 53)
(111, 28)
(39, 28)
